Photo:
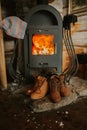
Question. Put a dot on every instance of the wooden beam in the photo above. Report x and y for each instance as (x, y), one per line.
(3, 76)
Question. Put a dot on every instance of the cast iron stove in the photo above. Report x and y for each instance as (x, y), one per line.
(43, 39)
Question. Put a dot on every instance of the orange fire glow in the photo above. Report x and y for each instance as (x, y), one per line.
(43, 44)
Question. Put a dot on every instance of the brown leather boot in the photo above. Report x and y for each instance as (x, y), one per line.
(64, 90)
(33, 88)
(42, 88)
(54, 85)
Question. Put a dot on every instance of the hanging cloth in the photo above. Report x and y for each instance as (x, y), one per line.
(14, 26)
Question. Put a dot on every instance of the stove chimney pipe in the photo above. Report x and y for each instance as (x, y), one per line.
(42, 2)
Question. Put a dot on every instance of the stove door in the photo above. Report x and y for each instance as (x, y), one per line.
(45, 47)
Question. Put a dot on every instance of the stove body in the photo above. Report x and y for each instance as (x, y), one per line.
(43, 21)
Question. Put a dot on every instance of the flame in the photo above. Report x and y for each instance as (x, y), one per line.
(42, 44)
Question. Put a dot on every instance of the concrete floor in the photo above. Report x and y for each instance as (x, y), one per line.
(15, 114)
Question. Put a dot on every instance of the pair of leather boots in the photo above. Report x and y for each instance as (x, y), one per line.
(55, 85)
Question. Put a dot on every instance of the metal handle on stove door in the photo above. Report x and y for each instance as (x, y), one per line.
(45, 64)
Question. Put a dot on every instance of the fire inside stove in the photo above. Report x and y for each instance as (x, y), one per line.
(43, 44)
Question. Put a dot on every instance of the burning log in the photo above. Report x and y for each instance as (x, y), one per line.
(43, 44)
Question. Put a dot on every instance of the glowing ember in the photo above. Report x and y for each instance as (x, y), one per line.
(43, 44)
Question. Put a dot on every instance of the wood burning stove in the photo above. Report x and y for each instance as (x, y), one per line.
(43, 39)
